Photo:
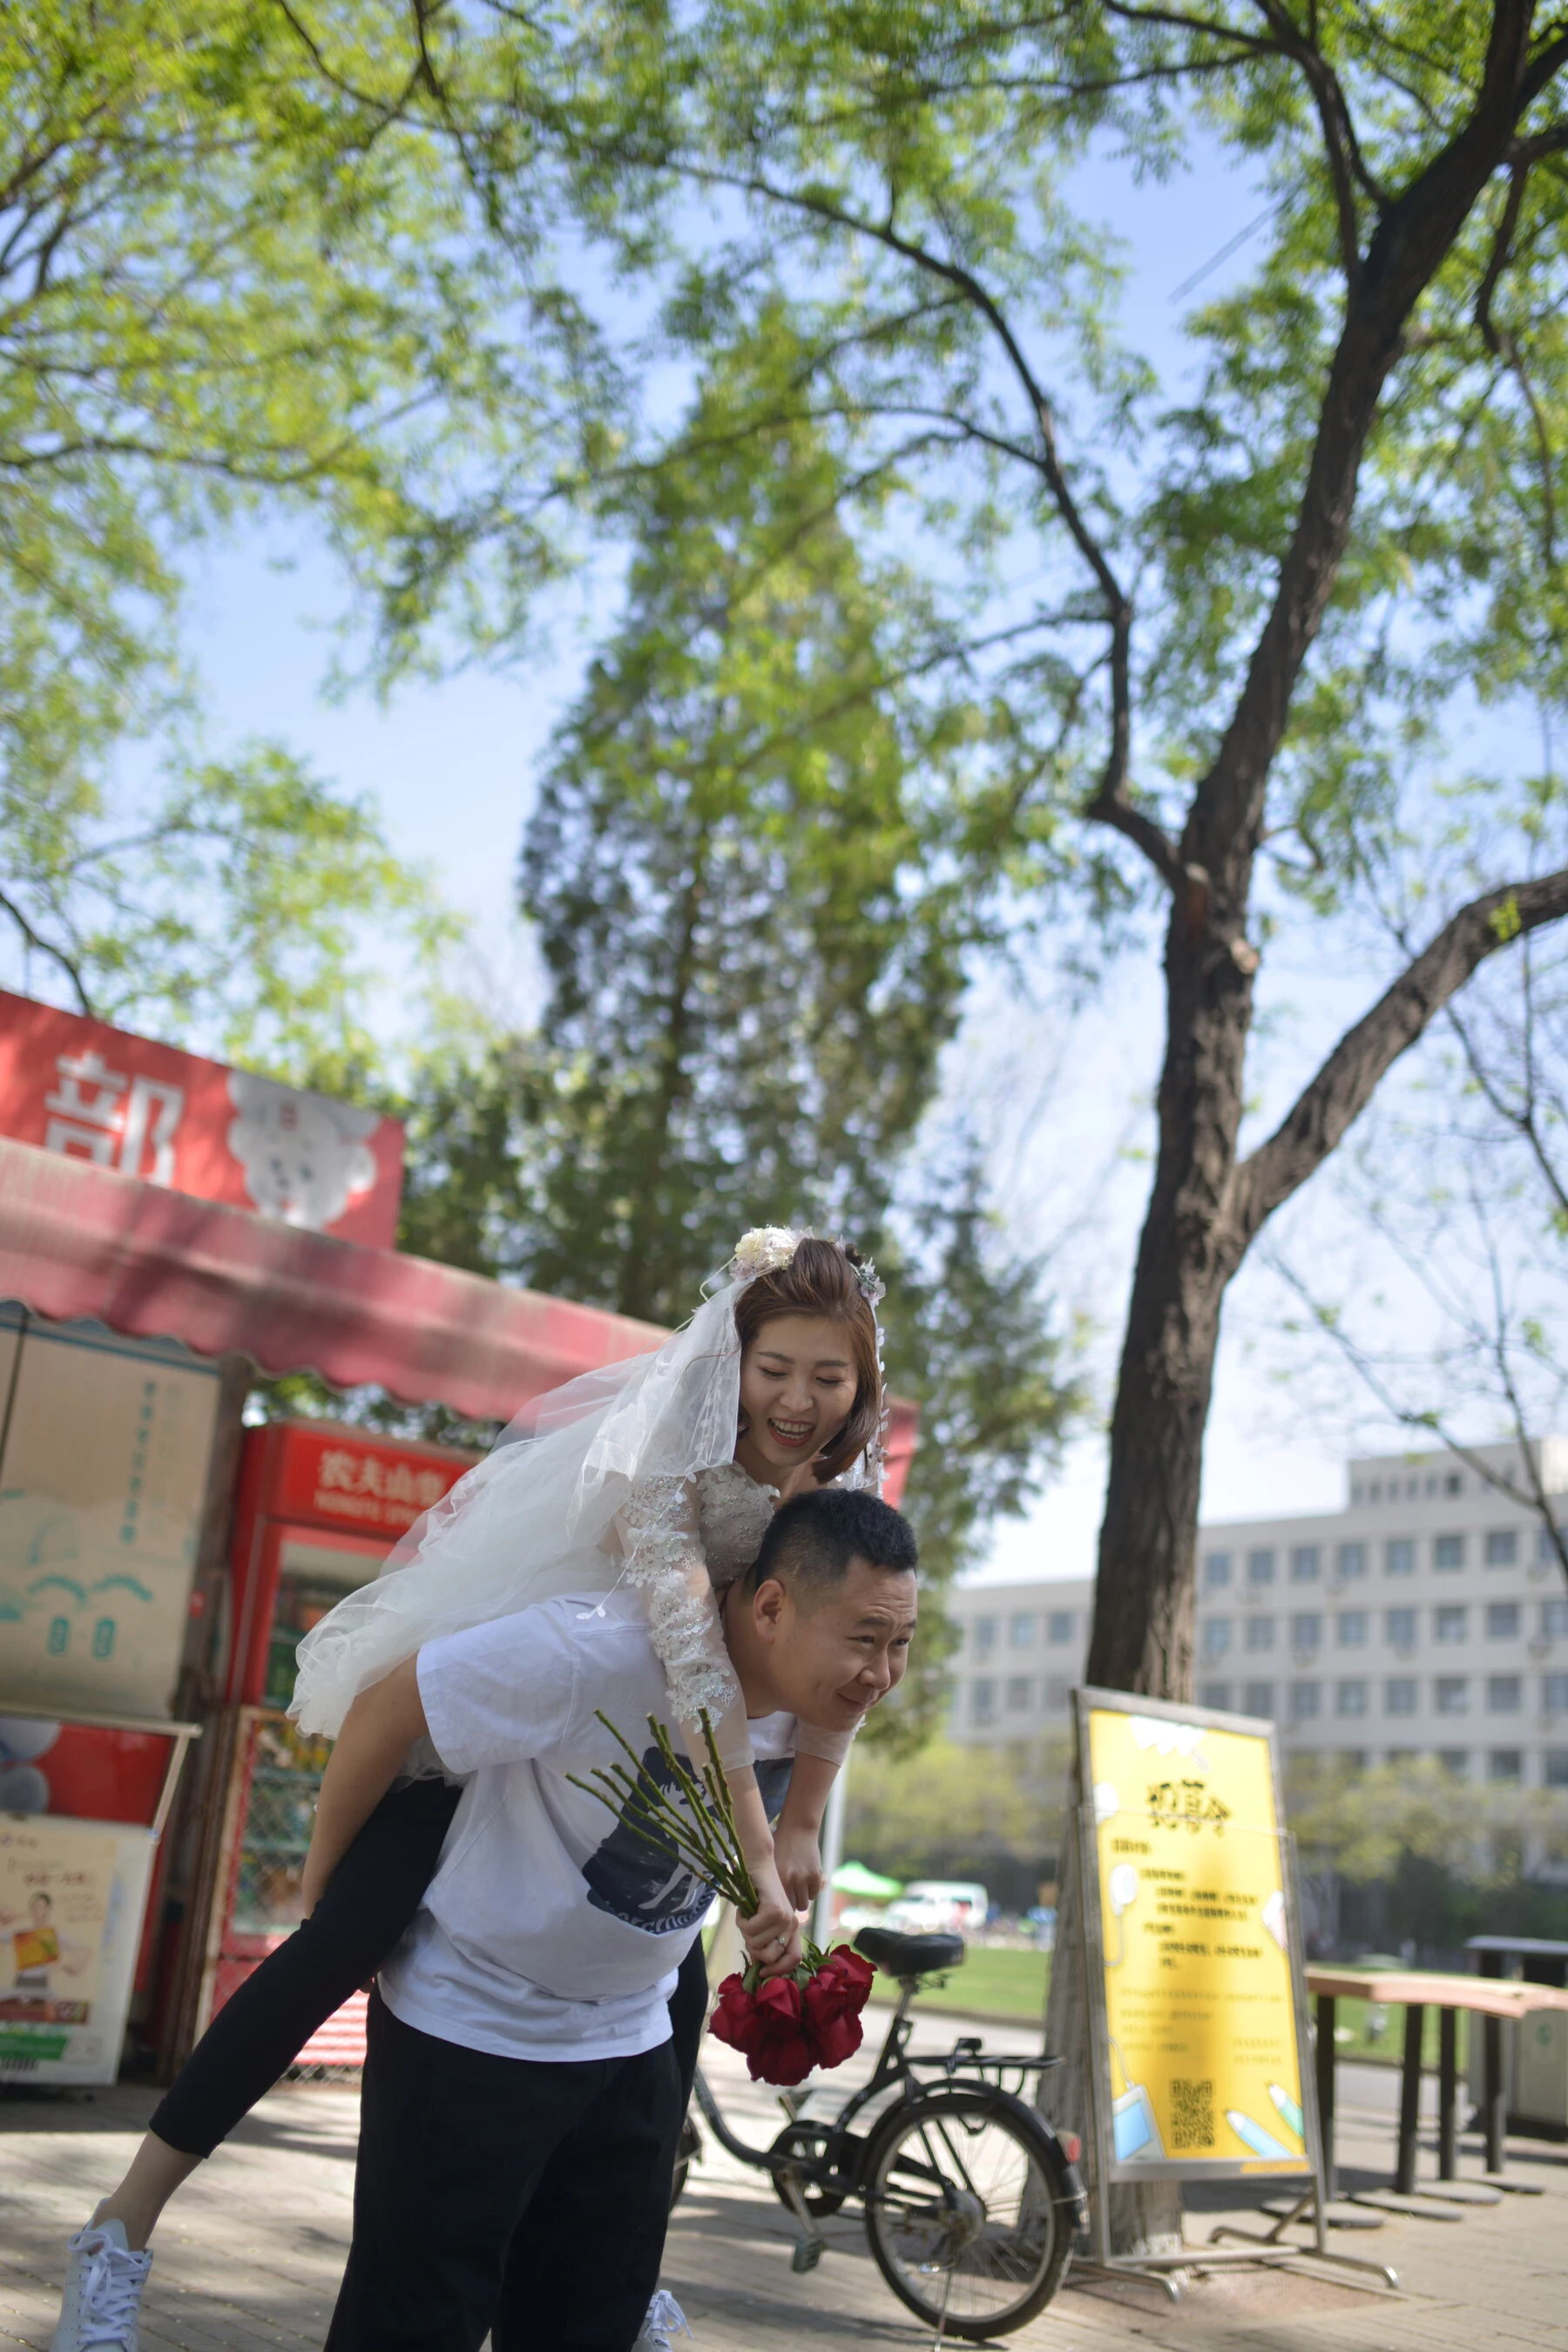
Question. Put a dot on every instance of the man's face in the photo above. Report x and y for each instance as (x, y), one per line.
(831, 1656)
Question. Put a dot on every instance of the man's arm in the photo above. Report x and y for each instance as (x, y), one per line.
(379, 1729)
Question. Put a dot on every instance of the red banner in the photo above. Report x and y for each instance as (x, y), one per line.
(341, 1480)
(90, 1092)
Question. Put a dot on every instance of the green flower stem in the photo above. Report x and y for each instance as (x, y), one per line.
(703, 1837)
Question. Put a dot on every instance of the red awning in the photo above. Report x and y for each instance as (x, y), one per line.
(76, 1240)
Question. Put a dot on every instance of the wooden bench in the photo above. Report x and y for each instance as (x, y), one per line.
(1495, 1999)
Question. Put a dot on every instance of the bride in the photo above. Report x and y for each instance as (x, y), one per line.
(661, 1473)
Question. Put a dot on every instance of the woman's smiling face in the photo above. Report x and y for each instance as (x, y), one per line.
(797, 1390)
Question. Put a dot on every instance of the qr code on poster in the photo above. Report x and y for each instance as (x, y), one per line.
(1192, 2114)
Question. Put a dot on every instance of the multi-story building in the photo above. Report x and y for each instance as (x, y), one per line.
(1429, 1617)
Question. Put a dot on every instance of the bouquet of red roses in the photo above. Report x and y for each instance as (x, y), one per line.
(790, 2024)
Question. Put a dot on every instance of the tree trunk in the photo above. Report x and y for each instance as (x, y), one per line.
(1142, 1638)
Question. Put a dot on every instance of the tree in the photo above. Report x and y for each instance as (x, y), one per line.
(953, 1811)
(753, 968)
(232, 274)
(1357, 505)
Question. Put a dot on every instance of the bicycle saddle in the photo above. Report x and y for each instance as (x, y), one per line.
(909, 1956)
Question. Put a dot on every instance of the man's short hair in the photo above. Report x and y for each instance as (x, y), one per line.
(812, 1538)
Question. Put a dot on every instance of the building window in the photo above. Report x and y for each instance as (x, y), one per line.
(1257, 1698)
(1306, 1701)
(1451, 1624)
(1555, 1768)
(1399, 1557)
(1260, 1632)
(1351, 1629)
(1502, 1547)
(1057, 1693)
(1456, 1762)
(1554, 1694)
(1453, 1693)
(1020, 1690)
(1059, 1626)
(1350, 1698)
(1399, 1694)
(1453, 1483)
(1215, 1694)
(1502, 1621)
(1021, 1631)
(1399, 1627)
(1259, 1568)
(1506, 1764)
(1554, 1620)
(982, 1701)
(1304, 1564)
(1448, 1551)
(1216, 1637)
(1217, 1572)
(1546, 1548)
(1306, 1630)
(984, 1633)
(1504, 1694)
(1350, 1560)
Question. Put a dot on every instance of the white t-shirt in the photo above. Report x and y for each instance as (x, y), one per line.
(549, 1931)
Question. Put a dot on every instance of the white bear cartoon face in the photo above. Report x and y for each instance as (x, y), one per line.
(304, 1157)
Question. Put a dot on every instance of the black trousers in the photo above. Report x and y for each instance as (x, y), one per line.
(370, 1902)
(504, 2195)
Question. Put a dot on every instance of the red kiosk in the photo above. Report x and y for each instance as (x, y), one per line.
(158, 1560)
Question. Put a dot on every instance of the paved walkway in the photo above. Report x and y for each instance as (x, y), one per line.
(250, 2255)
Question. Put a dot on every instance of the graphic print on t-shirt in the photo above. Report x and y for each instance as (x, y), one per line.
(640, 1880)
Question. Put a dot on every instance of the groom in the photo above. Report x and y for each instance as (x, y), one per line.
(521, 2099)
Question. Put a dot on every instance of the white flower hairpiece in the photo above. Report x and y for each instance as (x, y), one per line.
(766, 1249)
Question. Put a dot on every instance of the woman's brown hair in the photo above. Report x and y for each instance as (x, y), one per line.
(823, 1278)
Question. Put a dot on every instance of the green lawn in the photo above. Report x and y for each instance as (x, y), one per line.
(999, 1987)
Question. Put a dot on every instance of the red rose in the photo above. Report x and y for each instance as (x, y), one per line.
(734, 2019)
(832, 2001)
(782, 2051)
(766, 2028)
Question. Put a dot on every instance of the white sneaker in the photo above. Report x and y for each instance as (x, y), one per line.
(665, 2317)
(103, 2292)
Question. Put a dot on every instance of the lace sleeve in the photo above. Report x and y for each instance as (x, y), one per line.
(659, 1534)
(811, 1739)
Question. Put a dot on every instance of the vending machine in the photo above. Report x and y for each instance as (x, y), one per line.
(319, 1507)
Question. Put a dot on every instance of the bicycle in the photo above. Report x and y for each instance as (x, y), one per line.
(971, 2201)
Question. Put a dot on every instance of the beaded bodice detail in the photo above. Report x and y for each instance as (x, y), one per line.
(732, 1515)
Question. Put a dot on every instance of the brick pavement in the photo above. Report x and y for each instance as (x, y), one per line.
(249, 2254)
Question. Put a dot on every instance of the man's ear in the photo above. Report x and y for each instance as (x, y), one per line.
(769, 1604)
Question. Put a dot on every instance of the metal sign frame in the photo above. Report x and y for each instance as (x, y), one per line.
(1270, 2247)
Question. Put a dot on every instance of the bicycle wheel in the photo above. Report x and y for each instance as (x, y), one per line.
(964, 2211)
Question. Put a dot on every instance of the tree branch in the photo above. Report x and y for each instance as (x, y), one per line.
(1341, 1089)
(47, 947)
(1415, 235)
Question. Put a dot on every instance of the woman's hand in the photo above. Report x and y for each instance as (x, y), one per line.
(798, 1860)
(772, 1932)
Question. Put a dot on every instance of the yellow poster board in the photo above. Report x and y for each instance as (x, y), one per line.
(1197, 1992)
